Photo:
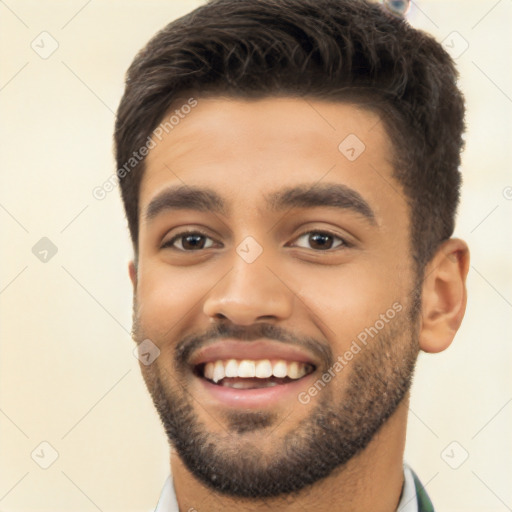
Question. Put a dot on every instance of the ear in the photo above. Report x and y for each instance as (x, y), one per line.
(444, 295)
(132, 271)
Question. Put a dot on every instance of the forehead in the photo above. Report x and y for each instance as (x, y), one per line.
(248, 148)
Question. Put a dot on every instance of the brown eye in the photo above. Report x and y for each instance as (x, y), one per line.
(322, 240)
(189, 241)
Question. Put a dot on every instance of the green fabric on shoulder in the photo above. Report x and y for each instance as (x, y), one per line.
(424, 503)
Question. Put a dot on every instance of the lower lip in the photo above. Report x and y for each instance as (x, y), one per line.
(256, 398)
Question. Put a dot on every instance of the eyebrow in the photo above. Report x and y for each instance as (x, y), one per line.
(185, 197)
(333, 195)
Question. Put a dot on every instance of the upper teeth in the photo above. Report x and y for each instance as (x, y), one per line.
(264, 368)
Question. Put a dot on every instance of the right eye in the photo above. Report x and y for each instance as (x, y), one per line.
(188, 241)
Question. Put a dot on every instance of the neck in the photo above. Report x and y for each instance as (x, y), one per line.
(370, 481)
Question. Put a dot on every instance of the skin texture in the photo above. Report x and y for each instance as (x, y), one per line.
(316, 295)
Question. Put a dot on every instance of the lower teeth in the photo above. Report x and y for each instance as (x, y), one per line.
(251, 383)
(247, 385)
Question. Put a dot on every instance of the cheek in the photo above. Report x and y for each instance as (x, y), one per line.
(346, 300)
(165, 298)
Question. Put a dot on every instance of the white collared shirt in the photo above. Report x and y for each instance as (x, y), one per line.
(408, 503)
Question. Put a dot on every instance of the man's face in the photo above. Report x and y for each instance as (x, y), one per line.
(298, 265)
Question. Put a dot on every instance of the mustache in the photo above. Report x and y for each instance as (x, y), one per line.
(189, 344)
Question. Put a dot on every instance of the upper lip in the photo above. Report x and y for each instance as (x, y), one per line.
(255, 350)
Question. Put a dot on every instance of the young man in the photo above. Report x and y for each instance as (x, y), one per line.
(289, 170)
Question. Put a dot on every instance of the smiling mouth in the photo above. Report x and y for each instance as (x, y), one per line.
(252, 374)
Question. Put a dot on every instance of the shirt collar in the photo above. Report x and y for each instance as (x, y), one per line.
(408, 502)
(168, 501)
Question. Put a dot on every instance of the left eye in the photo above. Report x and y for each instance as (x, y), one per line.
(322, 240)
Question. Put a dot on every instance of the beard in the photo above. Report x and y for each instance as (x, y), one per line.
(340, 424)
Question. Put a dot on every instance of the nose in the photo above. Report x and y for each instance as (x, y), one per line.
(250, 292)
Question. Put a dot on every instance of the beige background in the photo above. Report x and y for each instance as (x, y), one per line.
(67, 372)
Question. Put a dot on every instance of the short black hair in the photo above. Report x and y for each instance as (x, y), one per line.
(343, 50)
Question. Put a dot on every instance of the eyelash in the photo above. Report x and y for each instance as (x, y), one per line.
(344, 244)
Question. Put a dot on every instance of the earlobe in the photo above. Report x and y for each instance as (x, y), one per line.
(444, 295)
(132, 271)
